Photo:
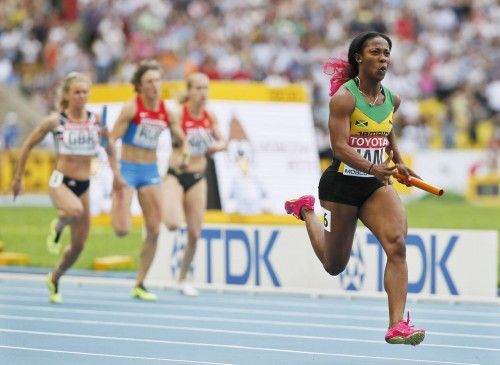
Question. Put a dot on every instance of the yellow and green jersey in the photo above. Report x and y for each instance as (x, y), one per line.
(369, 127)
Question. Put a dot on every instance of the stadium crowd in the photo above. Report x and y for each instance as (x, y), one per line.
(447, 50)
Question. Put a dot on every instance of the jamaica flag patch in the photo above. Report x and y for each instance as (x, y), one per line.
(361, 123)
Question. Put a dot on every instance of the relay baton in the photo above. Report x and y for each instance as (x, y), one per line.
(104, 140)
(413, 181)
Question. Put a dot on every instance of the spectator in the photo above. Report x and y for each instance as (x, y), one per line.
(448, 125)
(10, 130)
(251, 40)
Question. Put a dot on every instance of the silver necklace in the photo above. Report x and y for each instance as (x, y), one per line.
(366, 96)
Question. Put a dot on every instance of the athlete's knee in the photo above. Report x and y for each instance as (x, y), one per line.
(395, 247)
(74, 213)
(121, 231)
(171, 226)
(334, 268)
(152, 232)
(121, 226)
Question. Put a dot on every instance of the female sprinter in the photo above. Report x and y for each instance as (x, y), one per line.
(185, 191)
(357, 184)
(139, 125)
(77, 135)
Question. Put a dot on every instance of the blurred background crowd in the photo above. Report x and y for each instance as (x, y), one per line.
(445, 58)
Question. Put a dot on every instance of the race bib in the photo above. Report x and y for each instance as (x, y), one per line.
(148, 132)
(79, 140)
(199, 140)
(371, 148)
(327, 220)
(56, 179)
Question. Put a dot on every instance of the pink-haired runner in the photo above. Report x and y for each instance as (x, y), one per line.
(357, 183)
(339, 70)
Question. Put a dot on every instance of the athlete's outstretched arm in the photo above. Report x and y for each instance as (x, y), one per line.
(47, 125)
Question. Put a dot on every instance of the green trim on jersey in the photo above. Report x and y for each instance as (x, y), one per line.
(378, 113)
(369, 126)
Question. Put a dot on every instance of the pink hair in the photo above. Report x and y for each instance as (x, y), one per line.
(339, 71)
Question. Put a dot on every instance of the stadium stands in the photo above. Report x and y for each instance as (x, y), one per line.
(446, 52)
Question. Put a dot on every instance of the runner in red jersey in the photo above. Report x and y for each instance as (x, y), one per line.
(185, 191)
(139, 125)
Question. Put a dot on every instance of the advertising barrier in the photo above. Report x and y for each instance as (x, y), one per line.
(272, 153)
(440, 261)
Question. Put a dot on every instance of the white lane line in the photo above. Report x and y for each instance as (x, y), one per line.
(252, 300)
(234, 332)
(232, 310)
(226, 346)
(111, 355)
(60, 310)
(80, 279)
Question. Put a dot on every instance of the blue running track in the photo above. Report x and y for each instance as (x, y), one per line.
(98, 323)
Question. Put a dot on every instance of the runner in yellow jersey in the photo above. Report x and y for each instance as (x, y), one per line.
(357, 184)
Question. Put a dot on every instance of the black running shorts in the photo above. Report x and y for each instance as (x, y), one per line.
(351, 190)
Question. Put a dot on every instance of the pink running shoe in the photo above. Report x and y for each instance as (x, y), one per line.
(294, 206)
(403, 333)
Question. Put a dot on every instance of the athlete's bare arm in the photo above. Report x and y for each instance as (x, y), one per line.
(127, 113)
(47, 125)
(174, 116)
(341, 107)
(220, 142)
(396, 155)
(110, 149)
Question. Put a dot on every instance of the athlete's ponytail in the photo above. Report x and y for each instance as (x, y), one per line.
(339, 70)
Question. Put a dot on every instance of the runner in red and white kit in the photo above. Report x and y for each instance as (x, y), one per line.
(185, 191)
(139, 126)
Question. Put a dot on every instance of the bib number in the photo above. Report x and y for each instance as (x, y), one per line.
(373, 155)
(80, 140)
(147, 134)
(199, 141)
(371, 148)
(56, 179)
(327, 220)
